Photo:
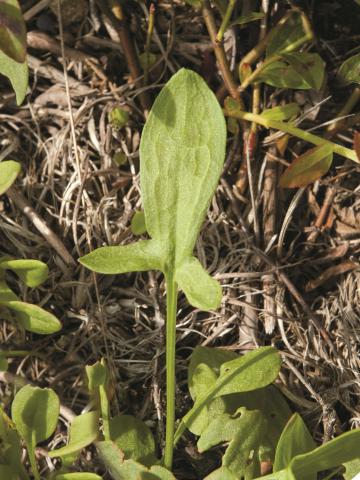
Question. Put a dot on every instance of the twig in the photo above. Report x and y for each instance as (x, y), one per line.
(116, 17)
(40, 225)
(149, 34)
(220, 54)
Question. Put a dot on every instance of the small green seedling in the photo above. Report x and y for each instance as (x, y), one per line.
(27, 316)
(182, 153)
(13, 63)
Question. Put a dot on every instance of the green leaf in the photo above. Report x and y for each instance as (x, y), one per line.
(17, 73)
(136, 257)
(201, 290)
(243, 430)
(251, 17)
(282, 75)
(96, 375)
(78, 476)
(138, 226)
(118, 117)
(32, 272)
(134, 438)
(307, 168)
(84, 430)
(254, 370)
(222, 473)
(281, 113)
(290, 32)
(12, 31)
(33, 318)
(9, 170)
(11, 449)
(309, 66)
(332, 454)
(204, 368)
(121, 469)
(352, 468)
(349, 71)
(294, 440)
(35, 412)
(295, 70)
(182, 153)
(6, 294)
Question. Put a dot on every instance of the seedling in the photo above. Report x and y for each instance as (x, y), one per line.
(26, 315)
(181, 158)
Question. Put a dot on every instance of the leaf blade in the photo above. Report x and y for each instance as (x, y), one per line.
(308, 167)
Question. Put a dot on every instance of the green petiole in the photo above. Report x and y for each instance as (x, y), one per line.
(292, 130)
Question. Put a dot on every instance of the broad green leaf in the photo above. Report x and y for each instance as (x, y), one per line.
(32, 272)
(309, 66)
(274, 408)
(243, 430)
(281, 113)
(9, 170)
(294, 440)
(118, 117)
(78, 476)
(138, 226)
(290, 32)
(121, 469)
(221, 473)
(307, 168)
(134, 438)
(12, 31)
(96, 375)
(84, 430)
(136, 257)
(352, 468)
(201, 290)
(6, 294)
(254, 370)
(332, 454)
(282, 75)
(33, 318)
(35, 412)
(17, 73)
(204, 368)
(182, 152)
(295, 70)
(251, 17)
(349, 71)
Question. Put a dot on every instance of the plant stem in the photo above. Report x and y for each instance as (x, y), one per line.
(219, 51)
(226, 20)
(104, 405)
(171, 307)
(292, 130)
